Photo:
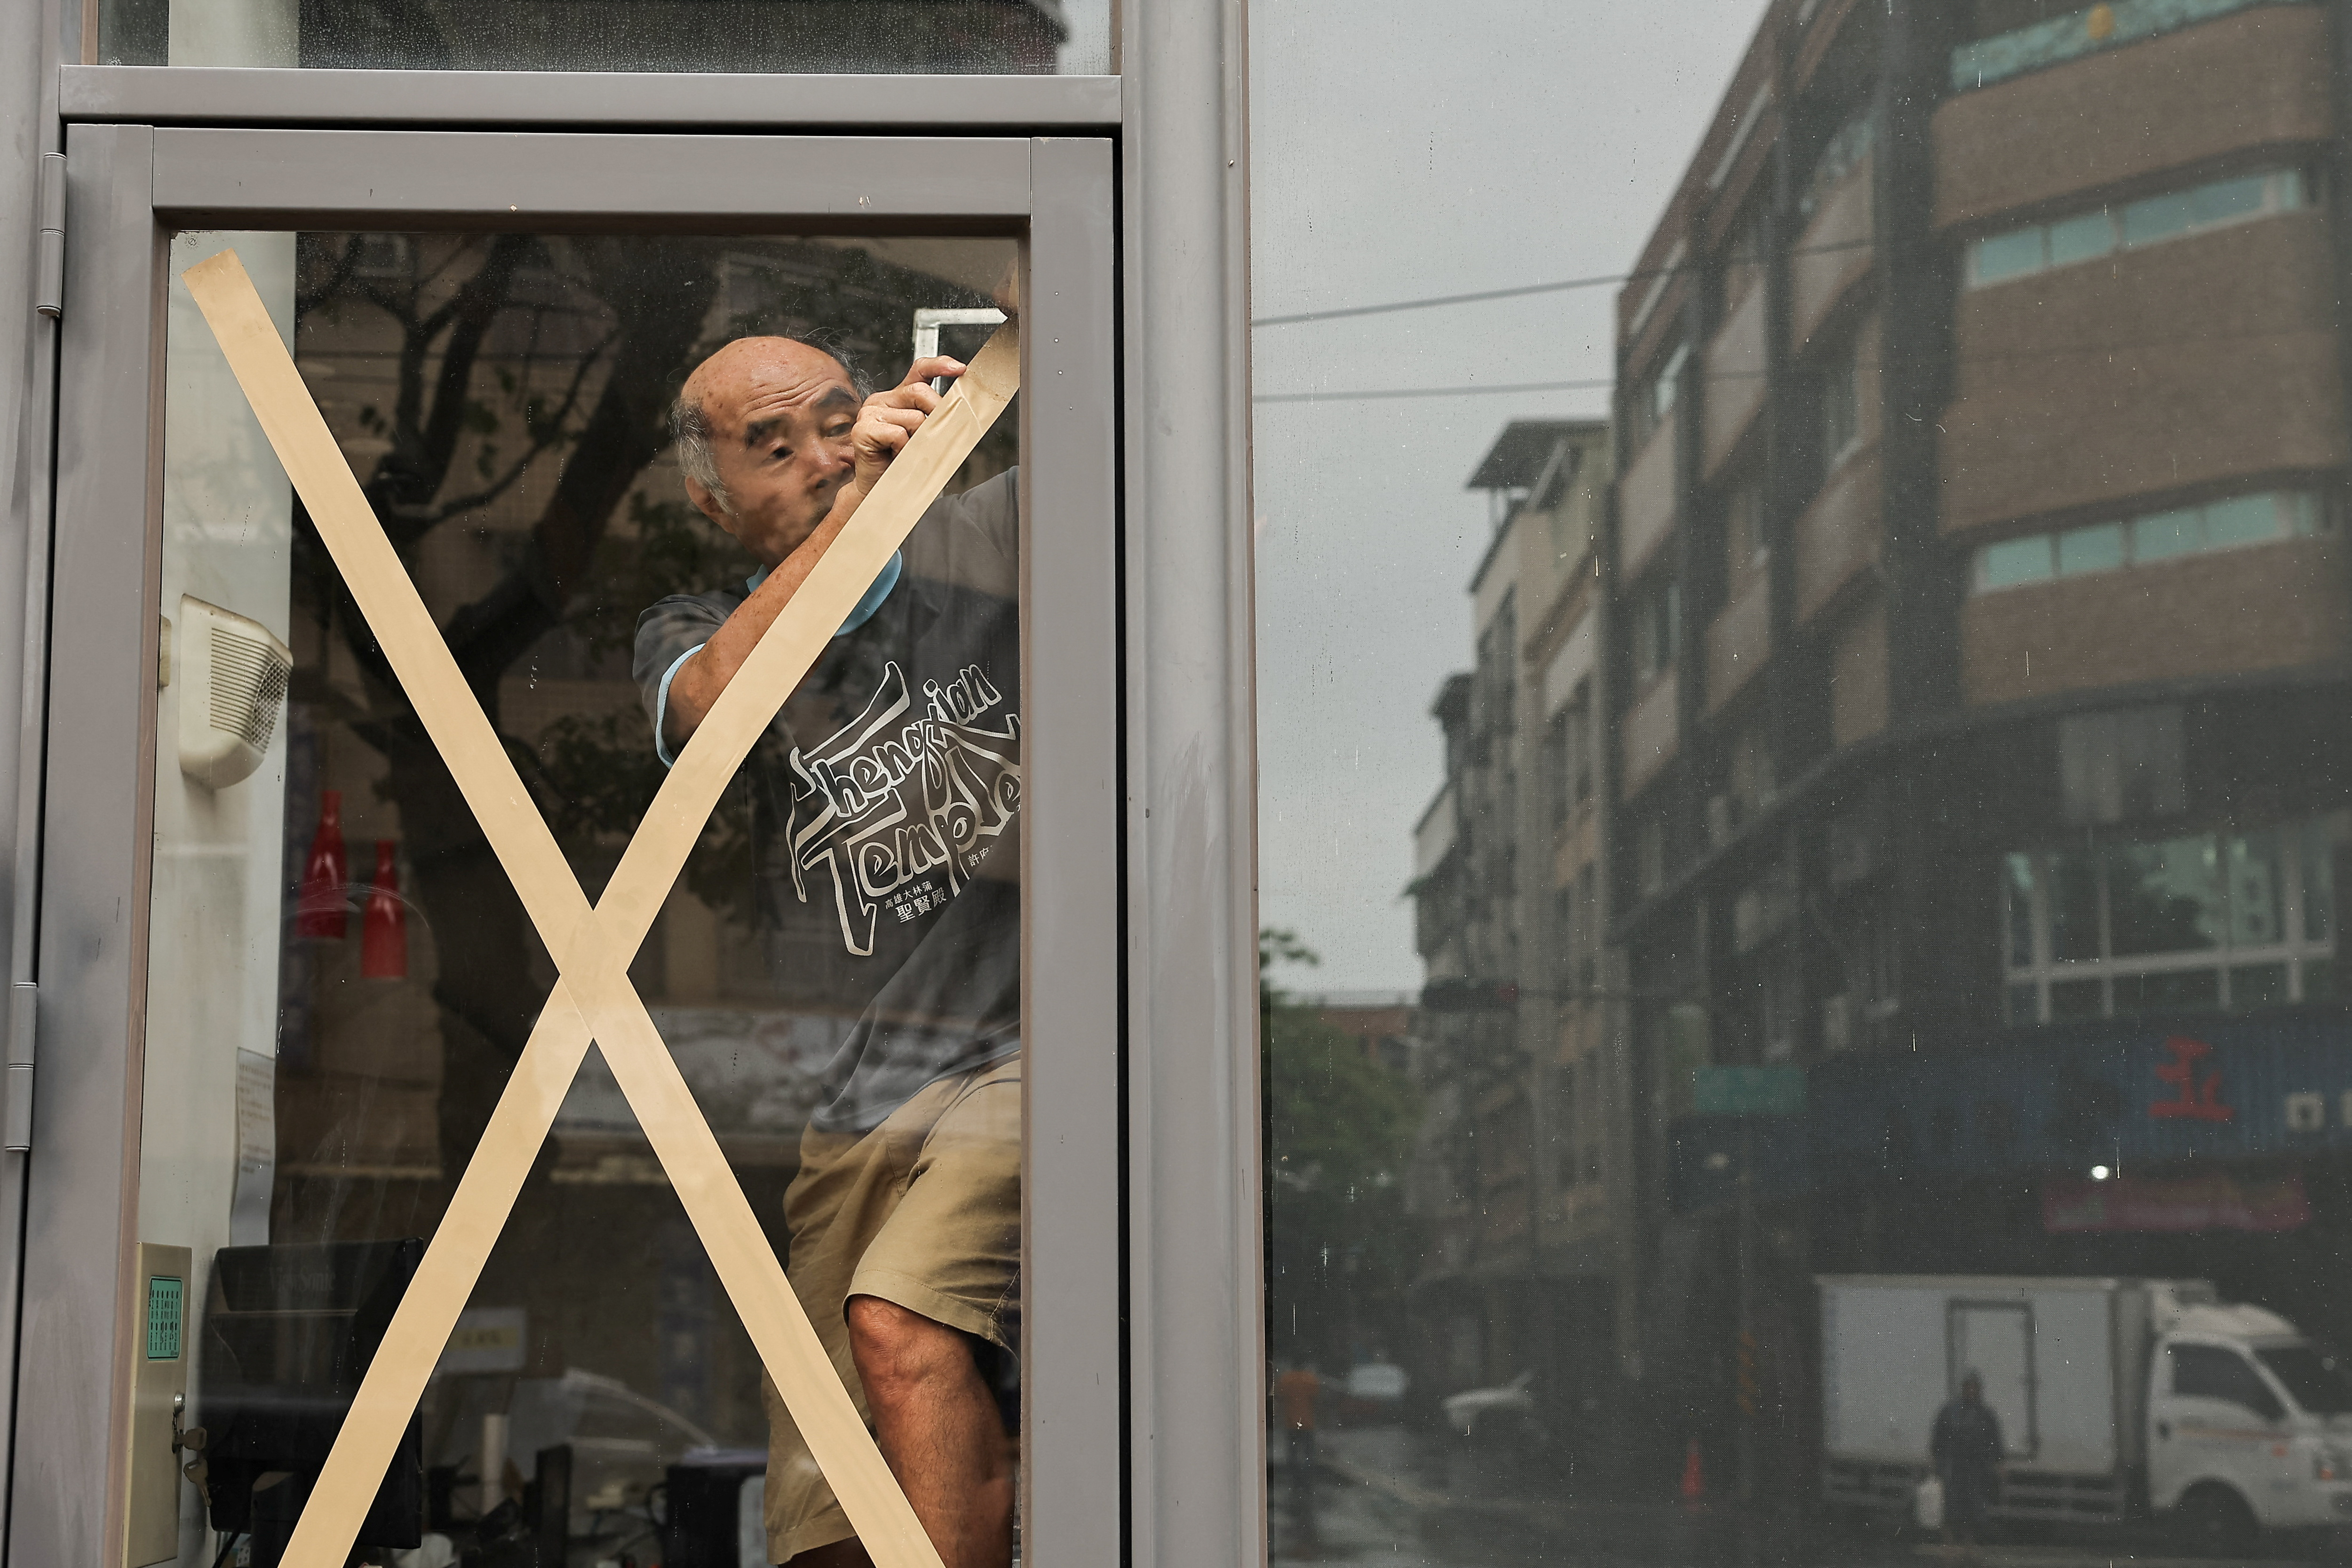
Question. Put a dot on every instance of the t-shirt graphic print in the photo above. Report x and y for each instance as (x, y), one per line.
(887, 799)
(896, 810)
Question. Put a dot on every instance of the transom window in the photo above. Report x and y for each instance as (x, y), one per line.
(2239, 917)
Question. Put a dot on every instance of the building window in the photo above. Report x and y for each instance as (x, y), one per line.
(1658, 629)
(1849, 147)
(1569, 747)
(1841, 410)
(1650, 854)
(2237, 918)
(2263, 519)
(2086, 236)
(1744, 547)
(1654, 395)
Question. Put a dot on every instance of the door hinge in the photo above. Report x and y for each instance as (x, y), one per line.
(49, 265)
(16, 1106)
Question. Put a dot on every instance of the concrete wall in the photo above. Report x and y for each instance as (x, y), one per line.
(2203, 361)
(2268, 606)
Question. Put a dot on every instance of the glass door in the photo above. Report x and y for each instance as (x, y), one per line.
(522, 590)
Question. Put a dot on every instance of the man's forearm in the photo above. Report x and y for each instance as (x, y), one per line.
(700, 680)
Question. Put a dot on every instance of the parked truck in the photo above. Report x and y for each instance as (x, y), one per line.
(2117, 1399)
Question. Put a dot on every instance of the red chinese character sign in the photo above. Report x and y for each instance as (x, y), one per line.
(2197, 1090)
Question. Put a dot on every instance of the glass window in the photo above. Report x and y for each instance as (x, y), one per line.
(2095, 548)
(2164, 896)
(2083, 239)
(2163, 534)
(2089, 235)
(2210, 1372)
(2249, 520)
(2313, 1376)
(2053, 1002)
(2015, 560)
(917, 36)
(354, 977)
(2004, 256)
(2241, 521)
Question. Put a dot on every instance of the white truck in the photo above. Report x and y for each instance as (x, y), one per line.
(2117, 1399)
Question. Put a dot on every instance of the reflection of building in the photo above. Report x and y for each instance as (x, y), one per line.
(1978, 653)
(1512, 1175)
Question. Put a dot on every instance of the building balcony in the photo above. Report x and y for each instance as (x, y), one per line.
(1740, 640)
(1840, 533)
(2200, 361)
(2095, 29)
(1651, 733)
(1645, 501)
(2255, 77)
(1834, 253)
(1732, 368)
(2272, 606)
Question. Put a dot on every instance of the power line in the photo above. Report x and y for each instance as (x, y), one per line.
(1596, 282)
(2105, 347)
(1365, 396)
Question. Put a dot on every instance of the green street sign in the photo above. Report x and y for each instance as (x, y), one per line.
(1748, 1091)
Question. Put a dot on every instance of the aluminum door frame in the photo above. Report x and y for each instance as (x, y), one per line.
(127, 187)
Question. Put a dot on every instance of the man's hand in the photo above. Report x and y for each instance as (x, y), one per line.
(889, 418)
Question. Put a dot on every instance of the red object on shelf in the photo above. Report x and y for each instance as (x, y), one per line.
(384, 932)
(320, 911)
(1693, 1478)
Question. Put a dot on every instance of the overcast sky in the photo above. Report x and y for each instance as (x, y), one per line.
(1401, 150)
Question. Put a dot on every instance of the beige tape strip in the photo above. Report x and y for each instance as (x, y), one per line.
(593, 997)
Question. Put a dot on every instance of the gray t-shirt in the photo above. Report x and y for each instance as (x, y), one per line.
(890, 788)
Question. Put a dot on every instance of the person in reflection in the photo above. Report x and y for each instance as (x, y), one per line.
(888, 789)
(1966, 1451)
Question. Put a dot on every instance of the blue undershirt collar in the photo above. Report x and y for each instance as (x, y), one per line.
(883, 582)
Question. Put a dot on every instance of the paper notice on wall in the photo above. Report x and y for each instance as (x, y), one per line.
(256, 1149)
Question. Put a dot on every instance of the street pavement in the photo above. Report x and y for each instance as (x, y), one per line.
(1386, 1498)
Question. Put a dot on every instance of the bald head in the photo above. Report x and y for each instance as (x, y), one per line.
(762, 429)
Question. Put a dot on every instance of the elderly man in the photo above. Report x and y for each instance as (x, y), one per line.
(888, 784)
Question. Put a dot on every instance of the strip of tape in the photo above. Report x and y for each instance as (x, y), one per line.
(593, 948)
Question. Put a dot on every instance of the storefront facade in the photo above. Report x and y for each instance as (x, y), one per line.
(282, 933)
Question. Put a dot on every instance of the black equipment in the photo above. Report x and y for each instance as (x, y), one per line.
(288, 1334)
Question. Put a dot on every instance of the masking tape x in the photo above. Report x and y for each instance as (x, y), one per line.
(593, 947)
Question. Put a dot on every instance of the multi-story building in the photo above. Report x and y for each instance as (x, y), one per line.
(1511, 1051)
(1978, 645)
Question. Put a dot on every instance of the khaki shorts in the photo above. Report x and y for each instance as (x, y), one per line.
(924, 1211)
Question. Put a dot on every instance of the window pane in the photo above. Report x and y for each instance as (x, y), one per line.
(2258, 985)
(2075, 999)
(2257, 916)
(2164, 896)
(2020, 910)
(2000, 256)
(2082, 238)
(919, 36)
(2014, 561)
(834, 974)
(2318, 881)
(2166, 533)
(1974, 1031)
(2246, 520)
(2228, 199)
(2074, 906)
(2159, 218)
(2099, 549)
